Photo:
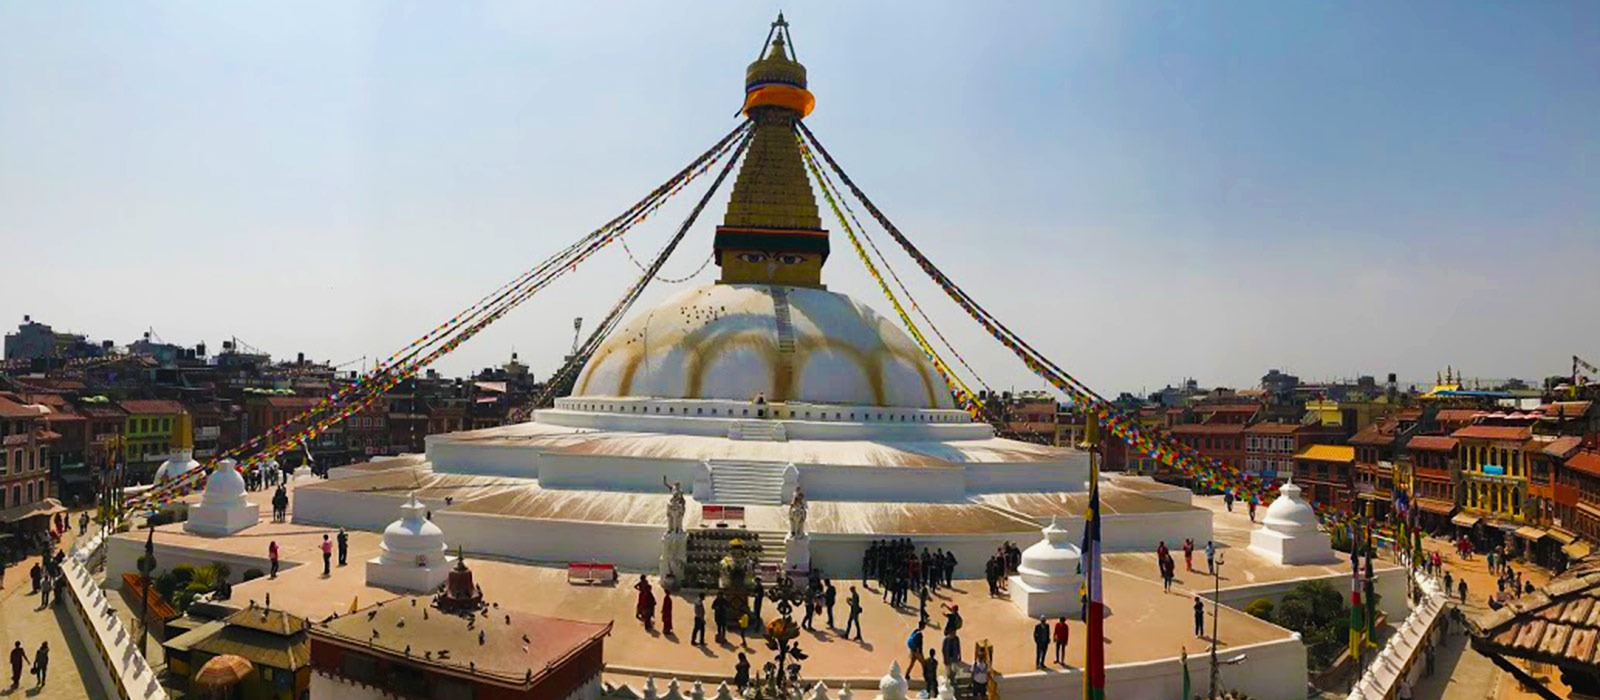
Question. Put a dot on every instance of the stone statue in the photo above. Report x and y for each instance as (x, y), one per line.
(675, 507)
(797, 514)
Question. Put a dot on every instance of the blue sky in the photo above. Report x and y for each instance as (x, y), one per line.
(1147, 191)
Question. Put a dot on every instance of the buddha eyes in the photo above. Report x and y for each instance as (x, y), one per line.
(782, 258)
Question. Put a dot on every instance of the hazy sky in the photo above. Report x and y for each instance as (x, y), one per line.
(1145, 190)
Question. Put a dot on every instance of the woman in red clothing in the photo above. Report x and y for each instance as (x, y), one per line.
(666, 613)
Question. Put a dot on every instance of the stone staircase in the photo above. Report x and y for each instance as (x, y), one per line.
(764, 430)
(780, 317)
(746, 483)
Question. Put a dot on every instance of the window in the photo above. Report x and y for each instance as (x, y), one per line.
(30, 492)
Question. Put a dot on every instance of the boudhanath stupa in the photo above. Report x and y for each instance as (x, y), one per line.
(768, 409)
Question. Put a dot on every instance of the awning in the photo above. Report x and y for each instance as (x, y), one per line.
(1576, 550)
(1563, 536)
(1465, 519)
(48, 506)
(1435, 506)
(1532, 534)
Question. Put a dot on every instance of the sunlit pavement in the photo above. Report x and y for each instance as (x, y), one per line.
(70, 673)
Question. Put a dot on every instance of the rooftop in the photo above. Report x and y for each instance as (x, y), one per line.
(1493, 432)
(147, 407)
(1328, 453)
(1440, 443)
(515, 646)
(1559, 624)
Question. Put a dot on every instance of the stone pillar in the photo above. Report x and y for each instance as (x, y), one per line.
(674, 558)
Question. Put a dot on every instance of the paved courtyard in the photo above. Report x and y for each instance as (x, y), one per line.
(21, 620)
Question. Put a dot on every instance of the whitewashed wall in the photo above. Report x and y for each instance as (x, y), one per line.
(123, 552)
(112, 649)
(1272, 671)
(842, 483)
(632, 547)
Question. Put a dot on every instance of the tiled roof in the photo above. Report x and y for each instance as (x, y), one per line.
(1372, 435)
(298, 402)
(1566, 409)
(1227, 408)
(12, 409)
(1586, 462)
(1328, 453)
(148, 407)
(1559, 624)
(1456, 415)
(1432, 442)
(1494, 432)
(1562, 447)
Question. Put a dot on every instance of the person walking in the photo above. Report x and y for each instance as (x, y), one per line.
(914, 644)
(811, 609)
(18, 658)
(853, 603)
(697, 636)
(1461, 586)
(1062, 634)
(327, 556)
(344, 545)
(741, 673)
(719, 617)
(1041, 642)
(35, 573)
(829, 597)
(930, 675)
(666, 613)
(1252, 509)
(644, 607)
(1188, 555)
(952, 651)
(272, 558)
(41, 663)
(1199, 618)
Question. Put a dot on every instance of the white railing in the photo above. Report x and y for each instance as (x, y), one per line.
(1397, 660)
(123, 672)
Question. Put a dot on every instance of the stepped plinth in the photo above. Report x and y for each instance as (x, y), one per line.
(1289, 534)
(222, 509)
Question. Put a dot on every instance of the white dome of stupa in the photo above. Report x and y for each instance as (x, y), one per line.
(225, 487)
(723, 341)
(180, 463)
(413, 536)
(1052, 560)
(1288, 513)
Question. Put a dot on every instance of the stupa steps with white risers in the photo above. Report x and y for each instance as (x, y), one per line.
(746, 483)
(768, 430)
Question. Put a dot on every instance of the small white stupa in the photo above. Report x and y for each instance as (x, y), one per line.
(1289, 534)
(223, 509)
(412, 557)
(181, 461)
(1047, 580)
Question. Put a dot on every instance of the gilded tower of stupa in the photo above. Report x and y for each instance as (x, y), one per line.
(772, 233)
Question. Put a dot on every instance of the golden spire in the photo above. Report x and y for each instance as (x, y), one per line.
(772, 233)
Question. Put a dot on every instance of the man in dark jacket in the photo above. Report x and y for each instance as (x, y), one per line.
(1041, 642)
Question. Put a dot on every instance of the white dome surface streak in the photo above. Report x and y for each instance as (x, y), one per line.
(722, 341)
(180, 463)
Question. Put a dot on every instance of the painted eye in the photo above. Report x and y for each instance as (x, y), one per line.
(791, 258)
(753, 257)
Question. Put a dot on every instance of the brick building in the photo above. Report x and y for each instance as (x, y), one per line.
(1327, 474)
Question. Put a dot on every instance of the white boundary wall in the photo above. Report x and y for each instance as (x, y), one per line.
(113, 652)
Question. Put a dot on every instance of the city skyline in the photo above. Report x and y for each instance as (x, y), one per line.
(1207, 192)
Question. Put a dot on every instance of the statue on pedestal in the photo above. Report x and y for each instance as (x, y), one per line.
(797, 515)
(675, 507)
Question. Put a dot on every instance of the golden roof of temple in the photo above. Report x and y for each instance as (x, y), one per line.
(772, 207)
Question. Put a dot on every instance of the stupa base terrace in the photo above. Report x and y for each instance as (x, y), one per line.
(557, 494)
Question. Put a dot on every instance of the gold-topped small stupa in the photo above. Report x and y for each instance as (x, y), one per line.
(772, 233)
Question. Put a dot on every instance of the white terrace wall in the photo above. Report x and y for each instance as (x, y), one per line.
(1389, 583)
(632, 547)
(112, 649)
(122, 557)
(1271, 671)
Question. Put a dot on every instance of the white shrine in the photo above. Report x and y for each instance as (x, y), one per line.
(413, 553)
(1289, 535)
(222, 509)
(1046, 583)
